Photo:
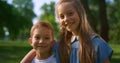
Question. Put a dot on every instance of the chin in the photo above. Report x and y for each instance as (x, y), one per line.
(69, 30)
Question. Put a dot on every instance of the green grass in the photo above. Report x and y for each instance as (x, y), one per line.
(14, 51)
(116, 53)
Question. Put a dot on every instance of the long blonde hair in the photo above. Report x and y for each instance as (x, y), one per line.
(86, 49)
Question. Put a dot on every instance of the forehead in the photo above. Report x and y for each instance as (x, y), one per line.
(43, 30)
(65, 7)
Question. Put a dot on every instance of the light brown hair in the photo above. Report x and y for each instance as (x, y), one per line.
(40, 24)
(86, 49)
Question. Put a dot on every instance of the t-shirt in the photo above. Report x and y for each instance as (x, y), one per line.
(102, 49)
(51, 59)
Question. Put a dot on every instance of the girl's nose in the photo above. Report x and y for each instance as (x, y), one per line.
(41, 41)
(66, 18)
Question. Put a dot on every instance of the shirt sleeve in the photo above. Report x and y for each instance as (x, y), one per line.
(103, 50)
(56, 52)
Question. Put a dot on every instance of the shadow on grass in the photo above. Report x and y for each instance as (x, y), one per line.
(115, 58)
(13, 54)
(116, 54)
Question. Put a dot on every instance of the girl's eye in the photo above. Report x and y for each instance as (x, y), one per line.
(47, 38)
(70, 13)
(37, 37)
(62, 16)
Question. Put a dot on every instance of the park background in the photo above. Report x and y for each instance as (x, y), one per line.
(17, 18)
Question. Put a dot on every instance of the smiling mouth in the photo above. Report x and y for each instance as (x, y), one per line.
(42, 46)
(69, 25)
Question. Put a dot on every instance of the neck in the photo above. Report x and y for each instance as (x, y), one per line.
(42, 56)
(75, 33)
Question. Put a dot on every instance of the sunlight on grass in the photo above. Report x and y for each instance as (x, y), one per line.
(116, 53)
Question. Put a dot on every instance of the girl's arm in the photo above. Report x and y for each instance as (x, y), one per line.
(28, 57)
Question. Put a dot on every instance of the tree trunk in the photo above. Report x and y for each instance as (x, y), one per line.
(103, 20)
(90, 17)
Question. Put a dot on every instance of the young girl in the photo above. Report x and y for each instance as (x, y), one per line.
(42, 40)
(78, 42)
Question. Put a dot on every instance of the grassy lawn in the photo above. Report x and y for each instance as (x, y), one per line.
(116, 53)
(14, 51)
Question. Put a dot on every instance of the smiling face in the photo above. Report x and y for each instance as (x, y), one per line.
(42, 40)
(68, 16)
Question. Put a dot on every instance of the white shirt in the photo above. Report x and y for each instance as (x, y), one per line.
(50, 59)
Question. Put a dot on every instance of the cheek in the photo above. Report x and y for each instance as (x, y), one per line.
(77, 19)
(60, 20)
(33, 43)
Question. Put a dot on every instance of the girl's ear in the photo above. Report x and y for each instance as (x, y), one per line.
(30, 41)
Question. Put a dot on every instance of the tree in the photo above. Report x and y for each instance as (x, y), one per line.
(49, 15)
(114, 20)
(97, 13)
(15, 20)
(7, 16)
(91, 17)
(25, 7)
(2, 17)
(103, 19)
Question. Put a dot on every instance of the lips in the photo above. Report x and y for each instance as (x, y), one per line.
(69, 24)
(42, 46)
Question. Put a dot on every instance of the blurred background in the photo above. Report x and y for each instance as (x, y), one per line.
(17, 17)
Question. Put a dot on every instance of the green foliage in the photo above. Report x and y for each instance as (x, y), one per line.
(5, 15)
(25, 8)
(113, 16)
(16, 17)
(114, 21)
(48, 15)
(115, 33)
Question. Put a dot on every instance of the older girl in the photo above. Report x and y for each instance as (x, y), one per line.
(86, 47)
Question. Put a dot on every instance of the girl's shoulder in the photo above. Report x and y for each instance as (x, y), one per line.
(97, 41)
(56, 45)
(102, 48)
